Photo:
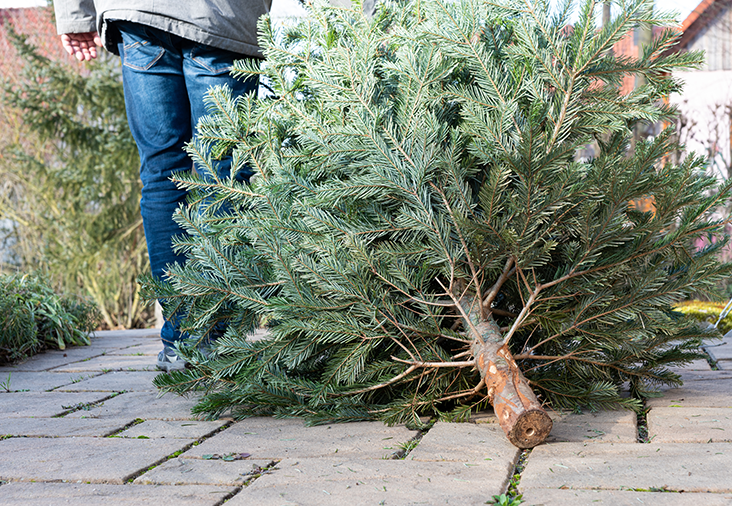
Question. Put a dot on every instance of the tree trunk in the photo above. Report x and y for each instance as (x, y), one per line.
(519, 412)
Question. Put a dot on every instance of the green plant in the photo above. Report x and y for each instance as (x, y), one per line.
(5, 385)
(421, 232)
(505, 500)
(69, 203)
(34, 317)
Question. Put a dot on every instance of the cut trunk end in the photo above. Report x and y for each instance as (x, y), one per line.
(519, 412)
(530, 429)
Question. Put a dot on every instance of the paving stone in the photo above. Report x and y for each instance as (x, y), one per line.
(149, 348)
(548, 497)
(721, 351)
(690, 425)
(45, 404)
(465, 442)
(695, 365)
(390, 482)
(82, 494)
(115, 381)
(158, 429)
(702, 394)
(96, 460)
(145, 405)
(688, 467)
(203, 472)
(120, 335)
(703, 375)
(53, 359)
(601, 427)
(303, 471)
(111, 363)
(725, 365)
(23, 381)
(60, 427)
(270, 438)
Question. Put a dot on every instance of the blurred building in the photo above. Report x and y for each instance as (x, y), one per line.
(706, 101)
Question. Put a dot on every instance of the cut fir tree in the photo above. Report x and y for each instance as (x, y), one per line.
(421, 235)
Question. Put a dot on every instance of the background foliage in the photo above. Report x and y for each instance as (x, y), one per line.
(33, 318)
(69, 202)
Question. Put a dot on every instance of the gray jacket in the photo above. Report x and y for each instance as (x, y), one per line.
(226, 24)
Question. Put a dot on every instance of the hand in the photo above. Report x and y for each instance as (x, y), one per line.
(81, 45)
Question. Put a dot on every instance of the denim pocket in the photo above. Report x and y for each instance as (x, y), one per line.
(214, 60)
(139, 53)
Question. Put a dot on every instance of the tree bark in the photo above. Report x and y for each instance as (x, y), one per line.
(519, 412)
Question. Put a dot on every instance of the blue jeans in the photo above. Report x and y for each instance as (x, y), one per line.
(165, 79)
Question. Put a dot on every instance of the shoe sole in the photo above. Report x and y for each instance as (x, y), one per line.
(168, 366)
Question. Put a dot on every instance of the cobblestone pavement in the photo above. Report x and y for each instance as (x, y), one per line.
(85, 426)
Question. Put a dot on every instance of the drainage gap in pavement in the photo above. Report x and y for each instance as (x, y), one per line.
(86, 406)
(228, 496)
(252, 475)
(407, 447)
(512, 497)
(134, 476)
(712, 363)
(258, 471)
(136, 421)
(642, 424)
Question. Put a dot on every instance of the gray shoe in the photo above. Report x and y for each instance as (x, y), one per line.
(168, 360)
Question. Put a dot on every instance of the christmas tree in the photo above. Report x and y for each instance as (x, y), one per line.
(420, 234)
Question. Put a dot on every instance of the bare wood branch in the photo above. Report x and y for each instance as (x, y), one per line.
(396, 378)
(465, 393)
(505, 275)
(435, 365)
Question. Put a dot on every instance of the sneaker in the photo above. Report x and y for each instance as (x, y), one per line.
(168, 360)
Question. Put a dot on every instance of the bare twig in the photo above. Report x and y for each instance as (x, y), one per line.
(435, 365)
(385, 384)
(493, 293)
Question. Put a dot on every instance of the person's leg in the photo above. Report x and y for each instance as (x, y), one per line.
(165, 80)
(158, 113)
(205, 67)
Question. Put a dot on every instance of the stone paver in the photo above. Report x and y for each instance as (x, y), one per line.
(43, 381)
(695, 365)
(690, 425)
(600, 427)
(115, 381)
(465, 442)
(696, 394)
(687, 375)
(82, 494)
(45, 404)
(60, 427)
(117, 336)
(96, 460)
(395, 482)
(721, 351)
(149, 349)
(108, 362)
(174, 458)
(53, 359)
(545, 497)
(688, 467)
(203, 472)
(145, 405)
(725, 365)
(268, 438)
(153, 429)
